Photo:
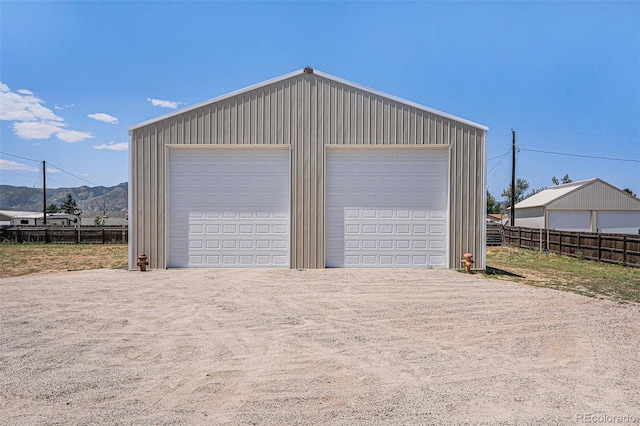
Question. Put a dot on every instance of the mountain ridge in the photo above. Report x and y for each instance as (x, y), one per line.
(89, 199)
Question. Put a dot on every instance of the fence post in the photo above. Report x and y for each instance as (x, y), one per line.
(103, 235)
(46, 235)
(540, 240)
(579, 251)
(547, 242)
(624, 250)
(560, 242)
(519, 236)
(599, 247)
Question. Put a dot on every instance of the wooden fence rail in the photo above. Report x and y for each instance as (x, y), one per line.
(621, 249)
(65, 235)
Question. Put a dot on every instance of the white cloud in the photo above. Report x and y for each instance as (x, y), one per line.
(120, 146)
(52, 170)
(12, 165)
(23, 106)
(72, 136)
(163, 103)
(31, 119)
(45, 129)
(35, 129)
(101, 116)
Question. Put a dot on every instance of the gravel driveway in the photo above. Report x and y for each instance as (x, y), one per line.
(340, 347)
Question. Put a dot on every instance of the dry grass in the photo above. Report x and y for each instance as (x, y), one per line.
(564, 273)
(22, 259)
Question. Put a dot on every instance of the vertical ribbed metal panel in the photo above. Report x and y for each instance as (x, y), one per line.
(597, 195)
(308, 112)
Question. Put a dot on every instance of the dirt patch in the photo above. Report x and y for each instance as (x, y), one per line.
(275, 347)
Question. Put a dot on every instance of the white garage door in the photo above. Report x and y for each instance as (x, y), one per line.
(228, 207)
(387, 207)
(570, 220)
(618, 222)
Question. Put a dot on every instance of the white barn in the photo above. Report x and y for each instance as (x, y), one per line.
(589, 206)
(307, 171)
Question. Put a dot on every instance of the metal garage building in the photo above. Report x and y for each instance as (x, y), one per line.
(590, 205)
(307, 171)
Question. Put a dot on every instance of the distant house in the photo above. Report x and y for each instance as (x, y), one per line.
(590, 205)
(501, 219)
(7, 216)
(36, 219)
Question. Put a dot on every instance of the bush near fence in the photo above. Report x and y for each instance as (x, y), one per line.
(65, 235)
(620, 249)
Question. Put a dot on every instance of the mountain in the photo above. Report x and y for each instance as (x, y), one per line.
(89, 199)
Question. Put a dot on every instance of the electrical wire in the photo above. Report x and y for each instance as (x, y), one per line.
(497, 156)
(52, 165)
(497, 165)
(71, 174)
(573, 133)
(17, 156)
(582, 156)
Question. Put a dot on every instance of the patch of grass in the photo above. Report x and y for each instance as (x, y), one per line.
(23, 259)
(564, 273)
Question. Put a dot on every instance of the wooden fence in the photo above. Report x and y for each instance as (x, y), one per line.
(65, 234)
(621, 249)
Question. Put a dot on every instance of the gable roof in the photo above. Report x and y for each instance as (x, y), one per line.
(307, 70)
(561, 196)
(549, 195)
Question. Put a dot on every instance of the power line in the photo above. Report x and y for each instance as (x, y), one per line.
(71, 174)
(17, 156)
(582, 156)
(574, 133)
(498, 164)
(52, 165)
(497, 156)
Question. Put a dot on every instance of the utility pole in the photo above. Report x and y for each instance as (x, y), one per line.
(513, 177)
(44, 192)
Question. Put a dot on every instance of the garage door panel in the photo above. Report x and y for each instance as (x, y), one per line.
(237, 215)
(386, 207)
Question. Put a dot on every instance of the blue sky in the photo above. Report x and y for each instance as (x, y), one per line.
(564, 75)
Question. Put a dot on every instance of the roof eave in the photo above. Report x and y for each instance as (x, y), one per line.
(294, 74)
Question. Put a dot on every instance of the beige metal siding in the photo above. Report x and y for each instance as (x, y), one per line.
(308, 112)
(598, 195)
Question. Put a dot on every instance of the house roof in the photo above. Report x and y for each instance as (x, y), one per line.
(13, 213)
(549, 195)
(35, 215)
(593, 194)
(307, 70)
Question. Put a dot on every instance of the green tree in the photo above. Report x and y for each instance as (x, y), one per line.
(70, 206)
(565, 179)
(98, 221)
(629, 191)
(492, 204)
(521, 188)
(52, 208)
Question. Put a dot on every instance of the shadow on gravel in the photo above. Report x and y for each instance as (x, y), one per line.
(501, 272)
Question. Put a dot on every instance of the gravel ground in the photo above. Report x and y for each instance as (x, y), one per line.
(340, 347)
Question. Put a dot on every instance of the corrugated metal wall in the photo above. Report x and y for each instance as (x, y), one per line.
(308, 112)
(598, 195)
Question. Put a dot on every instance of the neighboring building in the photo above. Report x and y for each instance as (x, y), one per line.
(497, 218)
(307, 171)
(36, 219)
(590, 205)
(6, 216)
